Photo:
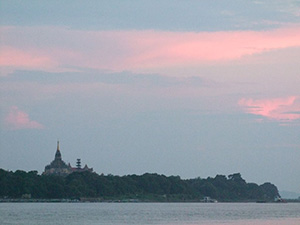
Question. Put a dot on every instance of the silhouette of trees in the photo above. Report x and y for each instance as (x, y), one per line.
(148, 187)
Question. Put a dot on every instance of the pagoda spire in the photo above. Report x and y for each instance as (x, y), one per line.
(57, 154)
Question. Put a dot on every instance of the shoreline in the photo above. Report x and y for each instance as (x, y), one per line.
(91, 200)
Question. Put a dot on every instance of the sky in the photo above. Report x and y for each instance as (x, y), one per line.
(190, 88)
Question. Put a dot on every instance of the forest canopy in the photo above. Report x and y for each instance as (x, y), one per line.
(146, 187)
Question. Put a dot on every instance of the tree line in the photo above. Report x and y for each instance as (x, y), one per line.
(146, 187)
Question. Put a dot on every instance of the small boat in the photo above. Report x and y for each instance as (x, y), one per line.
(209, 200)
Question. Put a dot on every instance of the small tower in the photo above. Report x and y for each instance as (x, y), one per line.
(78, 164)
(57, 154)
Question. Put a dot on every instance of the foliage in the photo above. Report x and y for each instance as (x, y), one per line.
(146, 187)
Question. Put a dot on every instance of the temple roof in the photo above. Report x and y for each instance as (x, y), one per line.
(59, 167)
(57, 162)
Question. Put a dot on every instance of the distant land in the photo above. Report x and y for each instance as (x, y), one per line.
(148, 187)
(289, 195)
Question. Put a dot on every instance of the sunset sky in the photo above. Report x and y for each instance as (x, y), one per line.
(190, 88)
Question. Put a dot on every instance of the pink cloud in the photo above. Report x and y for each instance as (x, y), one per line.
(280, 109)
(17, 119)
(135, 50)
(25, 59)
(14, 57)
(174, 48)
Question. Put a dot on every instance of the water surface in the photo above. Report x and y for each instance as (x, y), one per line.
(149, 213)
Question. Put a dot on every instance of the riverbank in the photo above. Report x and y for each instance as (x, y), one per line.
(99, 200)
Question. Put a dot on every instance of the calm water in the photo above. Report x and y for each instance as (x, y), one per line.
(149, 213)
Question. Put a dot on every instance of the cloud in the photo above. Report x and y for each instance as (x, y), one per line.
(279, 109)
(17, 120)
(134, 50)
(118, 78)
(11, 57)
(14, 57)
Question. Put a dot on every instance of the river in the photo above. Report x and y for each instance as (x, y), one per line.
(149, 213)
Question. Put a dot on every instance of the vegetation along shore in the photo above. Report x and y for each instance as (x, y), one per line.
(87, 186)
